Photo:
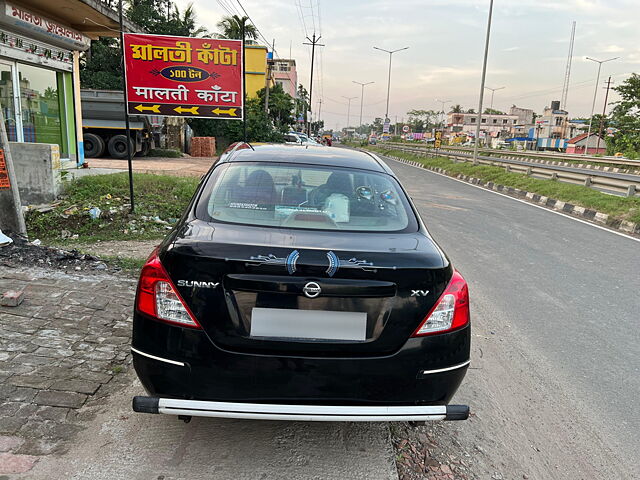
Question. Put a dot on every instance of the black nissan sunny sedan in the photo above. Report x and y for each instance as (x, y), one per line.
(301, 284)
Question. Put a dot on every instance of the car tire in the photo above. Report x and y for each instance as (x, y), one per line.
(118, 146)
(93, 145)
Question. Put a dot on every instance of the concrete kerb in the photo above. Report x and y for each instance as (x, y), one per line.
(551, 203)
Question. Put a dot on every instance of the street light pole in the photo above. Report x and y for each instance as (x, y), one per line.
(484, 75)
(362, 97)
(493, 90)
(390, 52)
(442, 109)
(595, 93)
(348, 109)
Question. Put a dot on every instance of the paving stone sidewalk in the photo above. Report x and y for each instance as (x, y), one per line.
(61, 352)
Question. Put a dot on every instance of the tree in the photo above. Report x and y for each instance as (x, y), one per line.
(302, 102)
(101, 68)
(259, 127)
(492, 111)
(281, 105)
(456, 108)
(231, 27)
(422, 120)
(625, 118)
(471, 110)
(317, 126)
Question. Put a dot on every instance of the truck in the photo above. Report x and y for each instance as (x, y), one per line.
(103, 126)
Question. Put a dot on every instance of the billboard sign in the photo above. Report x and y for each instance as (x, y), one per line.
(183, 76)
(386, 126)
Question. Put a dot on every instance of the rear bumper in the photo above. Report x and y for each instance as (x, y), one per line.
(304, 413)
(179, 363)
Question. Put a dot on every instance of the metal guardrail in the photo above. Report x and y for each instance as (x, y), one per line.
(553, 157)
(627, 185)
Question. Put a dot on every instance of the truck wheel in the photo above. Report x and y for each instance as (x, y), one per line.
(93, 145)
(118, 146)
(146, 148)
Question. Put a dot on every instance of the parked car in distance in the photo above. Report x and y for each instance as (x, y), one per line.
(301, 284)
(299, 138)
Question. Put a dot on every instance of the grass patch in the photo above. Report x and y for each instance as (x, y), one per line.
(129, 265)
(159, 152)
(621, 208)
(160, 200)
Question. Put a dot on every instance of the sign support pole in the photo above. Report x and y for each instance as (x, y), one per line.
(126, 110)
(244, 83)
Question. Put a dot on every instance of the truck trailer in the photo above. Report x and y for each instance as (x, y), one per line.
(103, 126)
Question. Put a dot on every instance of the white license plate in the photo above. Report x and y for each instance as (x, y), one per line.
(308, 324)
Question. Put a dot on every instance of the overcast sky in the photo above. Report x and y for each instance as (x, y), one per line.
(528, 50)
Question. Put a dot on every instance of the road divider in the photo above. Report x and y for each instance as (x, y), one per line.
(619, 213)
(614, 182)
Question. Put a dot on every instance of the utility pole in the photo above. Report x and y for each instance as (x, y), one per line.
(362, 97)
(348, 109)
(604, 112)
(484, 76)
(595, 93)
(313, 42)
(269, 65)
(244, 81)
(319, 109)
(390, 52)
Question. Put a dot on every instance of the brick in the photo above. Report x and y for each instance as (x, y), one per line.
(13, 463)
(12, 298)
(9, 443)
(55, 398)
(11, 424)
(80, 386)
(34, 381)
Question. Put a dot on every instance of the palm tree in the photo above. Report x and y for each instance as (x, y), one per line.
(456, 108)
(231, 27)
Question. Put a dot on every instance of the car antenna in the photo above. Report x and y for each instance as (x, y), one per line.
(250, 146)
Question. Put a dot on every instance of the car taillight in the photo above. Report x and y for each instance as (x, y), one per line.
(451, 311)
(158, 297)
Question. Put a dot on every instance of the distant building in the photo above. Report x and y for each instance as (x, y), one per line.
(553, 123)
(285, 74)
(525, 115)
(256, 68)
(580, 144)
(493, 125)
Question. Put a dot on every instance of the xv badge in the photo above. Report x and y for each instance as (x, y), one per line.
(419, 293)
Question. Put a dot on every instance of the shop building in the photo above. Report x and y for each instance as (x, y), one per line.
(40, 46)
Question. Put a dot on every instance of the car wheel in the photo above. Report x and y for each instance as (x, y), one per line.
(118, 146)
(93, 145)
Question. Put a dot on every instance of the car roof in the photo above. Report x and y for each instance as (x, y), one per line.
(307, 154)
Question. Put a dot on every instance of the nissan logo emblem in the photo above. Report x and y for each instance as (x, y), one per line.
(311, 290)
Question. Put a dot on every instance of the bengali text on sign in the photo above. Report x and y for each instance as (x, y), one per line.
(182, 76)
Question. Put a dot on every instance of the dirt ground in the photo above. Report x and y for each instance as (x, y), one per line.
(137, 249)
(182, 167)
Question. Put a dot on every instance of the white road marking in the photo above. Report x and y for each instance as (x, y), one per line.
(523, 201)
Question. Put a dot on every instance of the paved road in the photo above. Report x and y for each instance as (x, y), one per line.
(566, 294)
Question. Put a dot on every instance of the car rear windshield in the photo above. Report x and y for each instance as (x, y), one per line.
(305, 196)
